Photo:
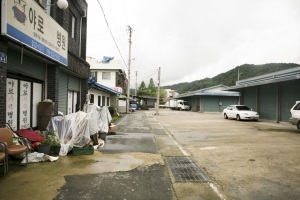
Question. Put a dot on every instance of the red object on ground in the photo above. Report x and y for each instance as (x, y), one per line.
(30, 135)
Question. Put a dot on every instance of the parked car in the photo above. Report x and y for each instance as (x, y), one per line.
(295, 115)
(240, 112)
(133, 107)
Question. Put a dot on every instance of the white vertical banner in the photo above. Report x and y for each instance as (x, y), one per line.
(12, 102)
(25, 102)
(37, 97)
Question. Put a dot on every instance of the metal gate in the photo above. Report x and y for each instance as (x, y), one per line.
(268, 101)
(26, 66)
(69, 87)
(211, 104)
(250, 97)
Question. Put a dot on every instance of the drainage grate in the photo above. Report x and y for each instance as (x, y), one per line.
(159, 131)
(185, 170)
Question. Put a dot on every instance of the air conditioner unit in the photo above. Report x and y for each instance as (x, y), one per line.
(44, 3)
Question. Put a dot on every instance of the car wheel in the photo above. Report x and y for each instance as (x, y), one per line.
(238, 118)
(298, 126)
(225, 116)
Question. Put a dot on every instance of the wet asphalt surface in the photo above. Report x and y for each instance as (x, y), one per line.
(145, 182)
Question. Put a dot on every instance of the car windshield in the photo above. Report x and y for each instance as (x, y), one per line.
(242, 108)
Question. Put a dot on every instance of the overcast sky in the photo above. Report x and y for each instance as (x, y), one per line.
(194, 39)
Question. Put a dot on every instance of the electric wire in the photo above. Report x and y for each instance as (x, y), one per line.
(111, 33)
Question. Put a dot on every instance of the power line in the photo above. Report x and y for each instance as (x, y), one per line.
(112, 34)
(149, 72)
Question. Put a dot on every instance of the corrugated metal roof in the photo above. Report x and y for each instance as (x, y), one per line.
(280, 76)
(93, 84)
(212, 93)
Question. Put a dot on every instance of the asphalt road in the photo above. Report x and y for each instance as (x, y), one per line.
(245, 159)
(152, 182)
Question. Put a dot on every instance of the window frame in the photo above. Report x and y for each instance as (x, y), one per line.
(106, 75)
(72, 24)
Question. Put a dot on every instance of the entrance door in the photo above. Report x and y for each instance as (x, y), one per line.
(22, 98)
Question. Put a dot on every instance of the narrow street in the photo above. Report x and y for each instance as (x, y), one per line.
(147, 179)
(176, 155)
(140, 138)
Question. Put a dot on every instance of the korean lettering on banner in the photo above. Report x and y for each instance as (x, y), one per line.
(25, 102)
(39, 20)
(11, 102)
(61, 40)
(38, 23)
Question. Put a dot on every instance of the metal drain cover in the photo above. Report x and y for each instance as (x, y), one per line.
(185, 170)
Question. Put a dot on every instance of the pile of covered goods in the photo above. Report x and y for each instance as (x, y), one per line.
(81, 129)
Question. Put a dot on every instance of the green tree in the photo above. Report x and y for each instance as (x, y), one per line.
(142, 90)
(151, 88)
(162, 96)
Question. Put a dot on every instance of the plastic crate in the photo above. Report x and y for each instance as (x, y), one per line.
(83, 151)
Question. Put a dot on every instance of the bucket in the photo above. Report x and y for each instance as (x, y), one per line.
(44, 148)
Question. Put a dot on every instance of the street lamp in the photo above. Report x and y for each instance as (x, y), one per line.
(62, 4)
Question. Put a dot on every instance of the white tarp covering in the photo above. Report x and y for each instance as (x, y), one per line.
(74, 130)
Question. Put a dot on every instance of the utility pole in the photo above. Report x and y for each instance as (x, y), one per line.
(129, 61)
(158, 92)
(135, 82)
(239, 74)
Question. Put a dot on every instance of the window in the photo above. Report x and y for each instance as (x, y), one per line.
(91, 98)
(103, 101)
(99, 100)
(72, 102)
(297, 107)
(105, 75)
(93, 74)
(107, 101)
(72, 25)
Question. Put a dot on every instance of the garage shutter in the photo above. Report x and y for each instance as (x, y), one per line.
(63, 93)
(211, 104)
(73, 83)
(226, 101)
(29, 66)
(249, 98)
(288, 97)
(268, 101)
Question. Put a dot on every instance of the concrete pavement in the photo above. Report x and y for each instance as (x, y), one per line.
(242, 160)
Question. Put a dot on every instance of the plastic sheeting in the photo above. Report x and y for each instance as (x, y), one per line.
(74, 130)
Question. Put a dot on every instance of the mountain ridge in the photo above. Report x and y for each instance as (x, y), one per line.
(231, 76)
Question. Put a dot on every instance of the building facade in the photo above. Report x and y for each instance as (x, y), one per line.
(271, 95)
(43, 52)
(212, 99)
(109, 74)
(101, 95)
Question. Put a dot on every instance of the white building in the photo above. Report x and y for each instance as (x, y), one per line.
(110, 75)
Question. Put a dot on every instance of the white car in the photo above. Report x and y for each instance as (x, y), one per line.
(295, 115)
(240, 112)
